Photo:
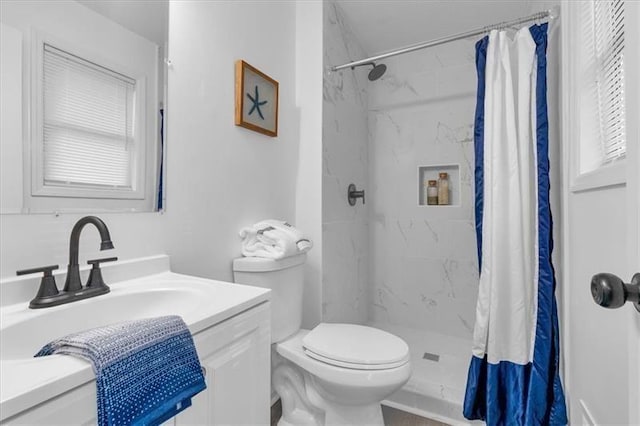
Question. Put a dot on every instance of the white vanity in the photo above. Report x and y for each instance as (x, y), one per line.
(230, 324)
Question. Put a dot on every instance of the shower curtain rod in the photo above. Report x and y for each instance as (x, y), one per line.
(552, 13)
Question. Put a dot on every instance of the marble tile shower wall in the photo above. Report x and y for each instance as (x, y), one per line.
(423, 258)
(345, 256)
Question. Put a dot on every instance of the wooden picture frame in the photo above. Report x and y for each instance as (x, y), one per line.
(256, 100)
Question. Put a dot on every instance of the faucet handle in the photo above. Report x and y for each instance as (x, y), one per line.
(96, 262)
(46, 269)
(95, 276)
(48, 287)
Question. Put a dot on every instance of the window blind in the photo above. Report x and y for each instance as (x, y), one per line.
(88, 123)
(606, 27)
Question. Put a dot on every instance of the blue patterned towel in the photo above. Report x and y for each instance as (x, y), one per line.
(146, 370)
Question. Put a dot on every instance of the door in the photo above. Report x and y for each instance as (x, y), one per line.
(601, 347)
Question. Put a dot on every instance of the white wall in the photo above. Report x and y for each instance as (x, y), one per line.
(309, 181)
(345, 280)
(222, 177)
(43, 239)
(150, 19)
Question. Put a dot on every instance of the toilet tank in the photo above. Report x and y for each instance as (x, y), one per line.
(285, 278)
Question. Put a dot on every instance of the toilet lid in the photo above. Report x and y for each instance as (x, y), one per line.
(355, 346)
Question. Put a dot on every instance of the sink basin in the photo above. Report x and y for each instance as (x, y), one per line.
(24, 333)
(26, 381)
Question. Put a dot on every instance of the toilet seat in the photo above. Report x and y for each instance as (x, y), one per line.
(355, 347)
(354, 366)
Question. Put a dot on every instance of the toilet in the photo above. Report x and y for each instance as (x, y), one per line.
(334, 374)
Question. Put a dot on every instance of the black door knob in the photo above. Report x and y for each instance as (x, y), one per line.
(609, 291)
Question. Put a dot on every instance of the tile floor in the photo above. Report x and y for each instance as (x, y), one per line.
(392, 417)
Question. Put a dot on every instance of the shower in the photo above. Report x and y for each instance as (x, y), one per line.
(398, 264)
(376, 72)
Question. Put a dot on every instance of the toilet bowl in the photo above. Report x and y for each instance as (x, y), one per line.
(345, 382)
(334, 374)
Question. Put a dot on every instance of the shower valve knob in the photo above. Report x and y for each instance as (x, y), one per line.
(609, 291)
(353, 195)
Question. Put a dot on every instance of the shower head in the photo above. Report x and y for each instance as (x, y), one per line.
(377, 71)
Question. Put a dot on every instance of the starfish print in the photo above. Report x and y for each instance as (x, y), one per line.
(256, 103)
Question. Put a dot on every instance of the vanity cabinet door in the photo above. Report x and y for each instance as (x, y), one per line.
(236, 357)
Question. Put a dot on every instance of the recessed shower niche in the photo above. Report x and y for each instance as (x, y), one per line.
(432, 173)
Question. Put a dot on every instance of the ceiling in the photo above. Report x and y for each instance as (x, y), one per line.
(383, 25)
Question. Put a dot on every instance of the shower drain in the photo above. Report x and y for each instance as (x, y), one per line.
(431, 357)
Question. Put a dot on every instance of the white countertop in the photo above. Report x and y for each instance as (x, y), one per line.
(26, 381)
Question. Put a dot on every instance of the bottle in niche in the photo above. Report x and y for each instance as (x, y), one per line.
(425, 191)
(443, 189)
(432, 193)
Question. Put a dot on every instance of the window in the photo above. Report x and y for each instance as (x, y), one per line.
(92, 127)
(602, 64)
(607, 28)
(88, 124)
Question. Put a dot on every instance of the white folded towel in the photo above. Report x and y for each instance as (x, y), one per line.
(274, 239)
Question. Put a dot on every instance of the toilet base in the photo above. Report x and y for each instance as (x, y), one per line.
(302, 404)
(297, 408)
(350, 415)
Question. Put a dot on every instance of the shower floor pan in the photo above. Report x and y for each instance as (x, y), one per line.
(437, 384)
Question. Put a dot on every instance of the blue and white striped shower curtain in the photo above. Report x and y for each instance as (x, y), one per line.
(514, 377)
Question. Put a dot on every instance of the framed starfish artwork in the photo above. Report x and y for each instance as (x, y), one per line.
(256, 100)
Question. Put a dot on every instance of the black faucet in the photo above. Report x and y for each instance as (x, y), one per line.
(73, 282)
(48, 294)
